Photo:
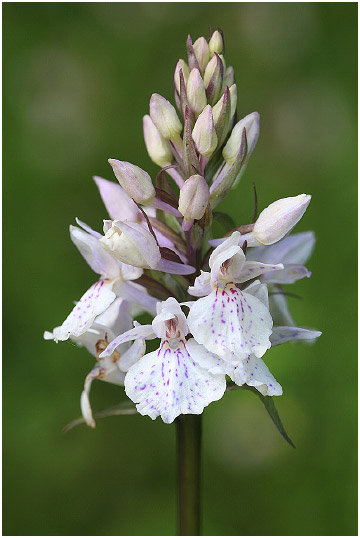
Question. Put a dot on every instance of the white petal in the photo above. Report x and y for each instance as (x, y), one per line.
(294, 249)
(90, 248)
(137, 294)
(202, 285)
(140, 331)
(254, 269)
(231, 321)
(88, 228)
(259, 376)
(281, 335)
(166, 310)
(168, 382)
(259, 290)
(133, 354)
(278, 307)
(95, 301)
(106, 370)
(207, 360)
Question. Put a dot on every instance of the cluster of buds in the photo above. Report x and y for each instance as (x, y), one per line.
(154, 256)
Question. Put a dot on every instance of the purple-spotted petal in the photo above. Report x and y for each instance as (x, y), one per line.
(95, 301)
(280, 335)
(288, 275)
(254, 269)
(259, 376)
(168, 382)
(231, 322)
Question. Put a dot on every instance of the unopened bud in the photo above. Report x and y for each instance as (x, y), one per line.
(202, 52)
(204, 134)
(131, 243)
(194, 198)
(229, 77)
(158, 148)
(233, 103)
(211, 67)
(135, 181)
(251, 125)
(181, 65)
(195, 90)
(279, 218)
(164, 117)
(216, 43)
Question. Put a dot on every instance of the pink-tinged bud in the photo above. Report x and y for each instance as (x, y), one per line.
(181, 65)
(131, 243)
(204, 134)
(135, 181)
(158, 148)
(251, 123)
(229, 77)
(202, 52)
(164, 117)
(195, 90)
(194, 198)
(211, 67)
(279, 218)
(233, 103)
(216, 43)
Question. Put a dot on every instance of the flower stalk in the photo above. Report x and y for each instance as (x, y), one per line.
(188, 430)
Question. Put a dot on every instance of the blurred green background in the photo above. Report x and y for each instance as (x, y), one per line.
(77, 81)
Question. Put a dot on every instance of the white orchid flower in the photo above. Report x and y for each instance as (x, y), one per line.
(230, 322)
(116, 280)
(175, 379)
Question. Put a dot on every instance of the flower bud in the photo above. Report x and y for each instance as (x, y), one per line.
(164, 117)
(131, 243)
(135, 181)
(251, 125)
(233, 103)
(195, 90)
(204, 134)
(229, 77)
(279, 218)
(216, 43)
(194, 197)
(181, 65)
(202, 52)
(158, 148)
(211, 67)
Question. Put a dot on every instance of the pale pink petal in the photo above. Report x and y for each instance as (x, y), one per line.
(136, 294)
(119, 205)
(202, 285)
(133, 354)
(90, 248)
(168, 382)
(174, 268)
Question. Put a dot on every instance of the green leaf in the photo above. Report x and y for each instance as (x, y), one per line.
(123, 408)
(270, 408)
(225, 220)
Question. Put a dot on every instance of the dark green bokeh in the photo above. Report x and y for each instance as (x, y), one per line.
(77, 81)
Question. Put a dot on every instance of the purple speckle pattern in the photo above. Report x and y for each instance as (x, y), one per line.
(231, 321)
(169, 382)
(95, 301)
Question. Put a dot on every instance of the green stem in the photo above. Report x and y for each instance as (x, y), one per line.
(189, 456)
